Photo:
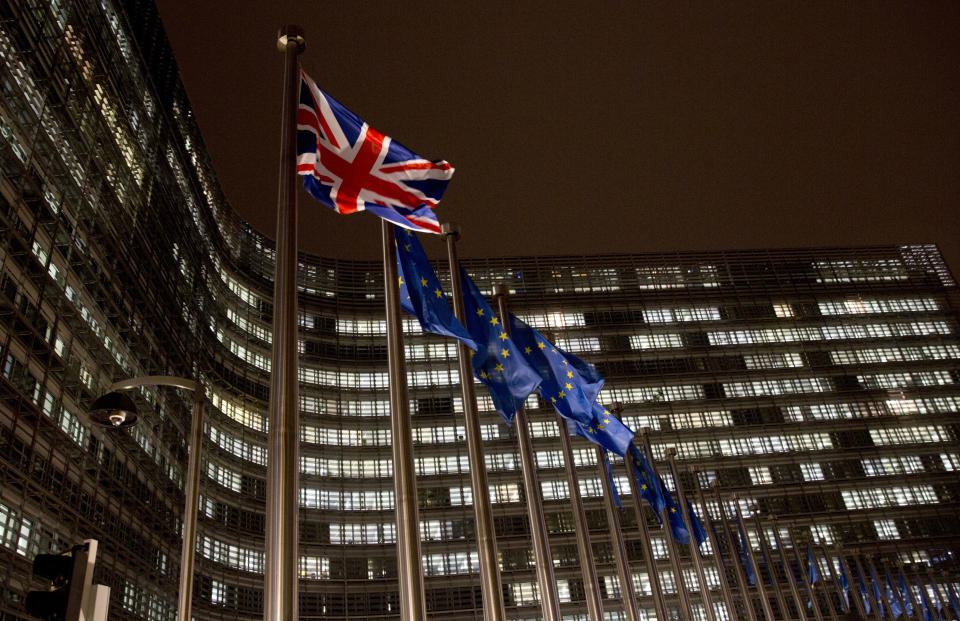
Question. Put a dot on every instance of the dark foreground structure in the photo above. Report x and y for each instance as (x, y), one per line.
(818, 386)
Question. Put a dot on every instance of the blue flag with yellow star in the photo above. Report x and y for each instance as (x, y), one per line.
(905, 596)
(646, 480)
(572, 396)
(675, 516)
(745, 556)
(926, 608)
(420, 291)
(604, 429)
(497, 362)
(864, 597)
(844, 585)
(698, 531)
(893, 603)
(613, 484)
(954, 603)
(877, 597)
(813, 573)
(593, 380)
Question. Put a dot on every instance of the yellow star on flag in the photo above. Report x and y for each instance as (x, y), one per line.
(541, 345)
(527, 350)
(499, 367)
(503, 336)
(494, 321)
(569, 386)
(562, 394)
(423, 281)
(479, 312)
(569, 373)
(438, 292)
(401, 280)
(484, 375)
(505, 353)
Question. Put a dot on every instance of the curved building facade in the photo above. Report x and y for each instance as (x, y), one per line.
(820, 386)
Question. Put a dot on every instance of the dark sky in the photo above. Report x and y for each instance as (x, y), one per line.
(608, 126)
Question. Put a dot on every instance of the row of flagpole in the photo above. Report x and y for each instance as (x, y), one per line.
(512, 360)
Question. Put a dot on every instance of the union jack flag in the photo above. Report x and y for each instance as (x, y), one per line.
(350, 166)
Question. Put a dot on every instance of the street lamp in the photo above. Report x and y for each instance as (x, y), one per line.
(116, 410)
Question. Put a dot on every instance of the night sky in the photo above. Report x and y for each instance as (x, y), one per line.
(608, 126)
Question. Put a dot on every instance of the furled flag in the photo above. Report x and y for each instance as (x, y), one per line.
(926, 609)
(646, 480)
(954, 603)
(613, 483)
(864, 597)
(497, 362)
(844, 585)
(877, 597)
(905, 596)
(603, 429)
(420, 292)
(893, 603)
(675, 516)
(350, 166)
(563, 386)
(813, 573)
(745, 556)
(698, 530)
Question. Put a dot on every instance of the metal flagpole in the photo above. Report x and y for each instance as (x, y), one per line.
(717, 553)
(833, 580)
(409, 569)
(748, 550)
(818, 615)
(788, 570)
(591, 585)
(771, 571)
(549, 599)
(686, 611)
(851, 585)
(283, 442)
(694, 548)
(653, 575)
(490, 583)
(619, 549)
(731, 546)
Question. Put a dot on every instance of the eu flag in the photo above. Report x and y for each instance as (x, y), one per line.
(497, 362)
(813, 573)
(675, 516)
(863, 594)
(571, 395)
(927, 610)
(593, 380)
(877, 597)
(646, 480)
(953, 603)
(420, 291)
(905, 596)
(698, 530)
(745, 556)
(844, 585)
(613, 484)
(892, 603)
(603, 429)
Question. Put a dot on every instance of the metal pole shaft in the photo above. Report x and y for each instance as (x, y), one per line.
(490, 584)
(283, 443)
(731, 546)
(619, 549)
(748, 550)
(775, 583)
(549, 599)
(694, 548)
(409, 568)
(652, 573)
(591, 586)
(791, 580)
(686, 612)
(717, 555)
(191, 493)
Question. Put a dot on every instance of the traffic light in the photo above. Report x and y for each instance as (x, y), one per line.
(66, 572)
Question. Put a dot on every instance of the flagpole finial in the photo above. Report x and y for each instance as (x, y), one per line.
(671, 451)
(290, 34)
(501, 291)
(450, 229)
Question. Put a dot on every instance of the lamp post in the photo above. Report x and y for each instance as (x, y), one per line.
(117, 410)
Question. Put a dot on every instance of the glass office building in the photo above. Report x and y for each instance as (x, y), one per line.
(820, 386)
